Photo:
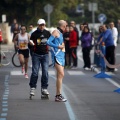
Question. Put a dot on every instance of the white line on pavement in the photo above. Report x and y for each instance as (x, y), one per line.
(110, 80)
(76, 73)
(96, 70)
(67, 104)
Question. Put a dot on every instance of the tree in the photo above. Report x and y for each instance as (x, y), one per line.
(29, 11)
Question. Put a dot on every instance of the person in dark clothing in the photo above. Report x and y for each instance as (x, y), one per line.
(16, 30)
(40, 57)
(86, 47)
(67, 47)
(85, 24)
(13, 26)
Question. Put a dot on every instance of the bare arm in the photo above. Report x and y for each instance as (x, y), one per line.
(54, 35)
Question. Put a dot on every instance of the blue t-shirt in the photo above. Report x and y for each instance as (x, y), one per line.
(58, 53)
(108, 38)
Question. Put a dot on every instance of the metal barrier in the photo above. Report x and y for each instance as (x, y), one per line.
(102, 74)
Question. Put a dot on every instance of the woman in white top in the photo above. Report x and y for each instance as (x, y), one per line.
(21, 42)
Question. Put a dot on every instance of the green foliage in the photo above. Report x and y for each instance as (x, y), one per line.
(29, 11)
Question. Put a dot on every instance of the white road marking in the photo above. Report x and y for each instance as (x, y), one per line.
(76, 73)
(50, 72)
(5, 100)
(110, 80)
(96, 70)
(16, 73)
(117, 54)
(109, 73)
(67, 104)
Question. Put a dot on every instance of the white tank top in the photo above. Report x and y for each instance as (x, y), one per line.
(23, 41)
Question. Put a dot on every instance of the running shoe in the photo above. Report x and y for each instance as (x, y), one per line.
(23, 70)
(26, 76)
(60, 98)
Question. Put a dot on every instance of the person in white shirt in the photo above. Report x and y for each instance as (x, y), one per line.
(115, 35)
(114, 32)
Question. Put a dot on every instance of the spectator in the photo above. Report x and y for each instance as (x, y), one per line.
(86, 47)
(98, 47)
(13, 25)
(30, 32)
(118, 27)
(73, 47)
(31, 29)
(16, 30)
(114, 32)
(81, 29)
(100, 34)
(30, 46)
(107, 38)
(115, 36)
(67, 47)
(72, 23)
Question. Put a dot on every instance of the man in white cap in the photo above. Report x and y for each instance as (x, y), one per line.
(40, 58)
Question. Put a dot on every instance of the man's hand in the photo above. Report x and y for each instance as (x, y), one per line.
(61, 46)
(31, 43)
(67, 38)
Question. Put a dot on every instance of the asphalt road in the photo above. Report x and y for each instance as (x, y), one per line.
(89, 98)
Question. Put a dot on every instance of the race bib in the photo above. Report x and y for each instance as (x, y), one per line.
(22, 45)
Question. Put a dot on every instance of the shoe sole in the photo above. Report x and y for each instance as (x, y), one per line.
(60, 101)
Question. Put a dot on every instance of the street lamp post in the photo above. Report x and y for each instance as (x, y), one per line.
(48, 9)
(93, 7)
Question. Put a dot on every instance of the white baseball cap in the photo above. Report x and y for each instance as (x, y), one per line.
(41, 21)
